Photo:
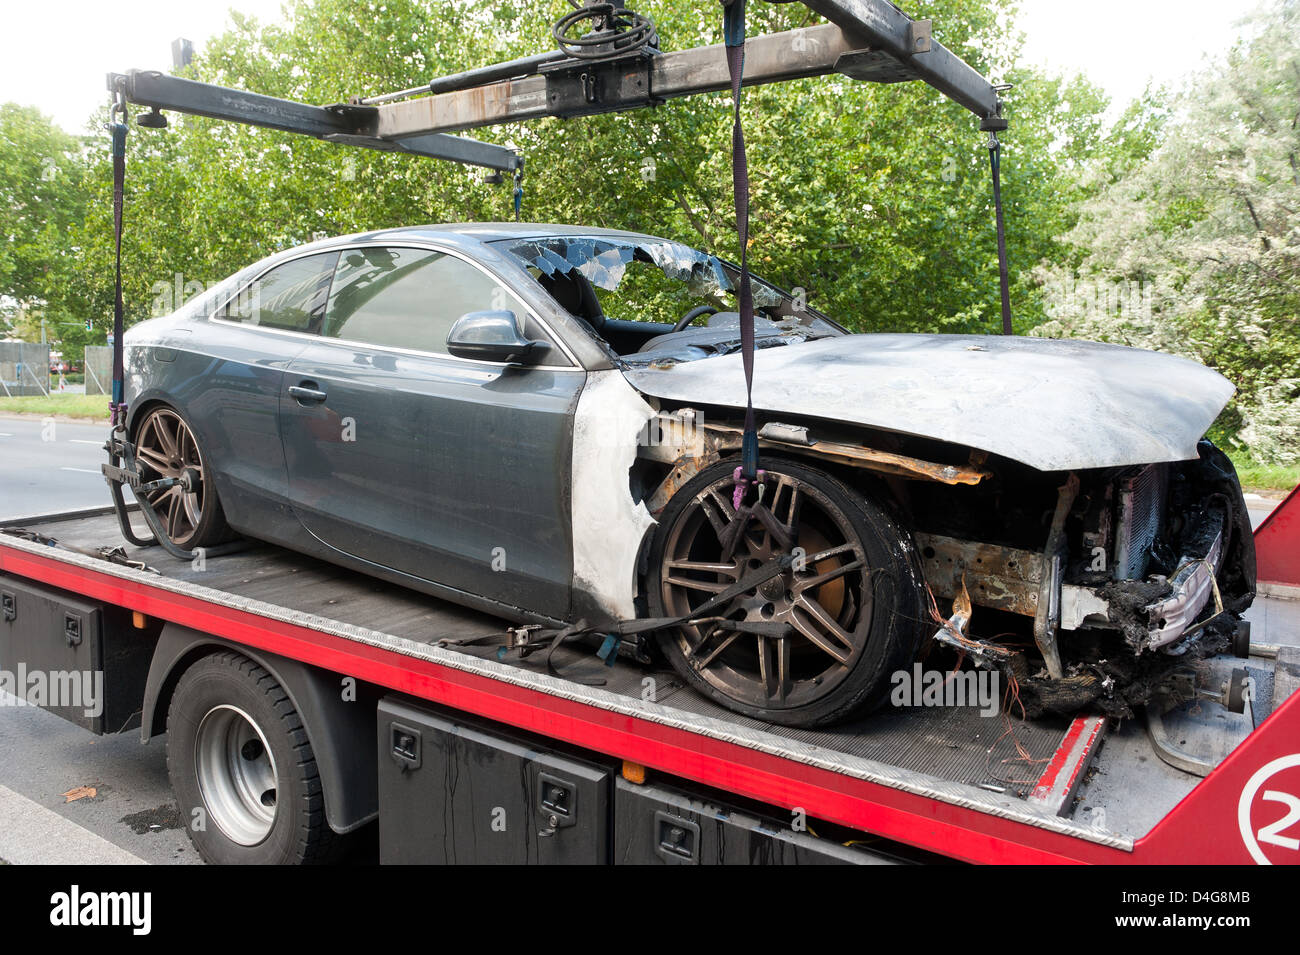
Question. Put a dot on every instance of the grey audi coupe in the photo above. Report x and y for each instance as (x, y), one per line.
(544, 422)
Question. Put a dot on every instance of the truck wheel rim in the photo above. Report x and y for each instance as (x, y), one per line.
(166, 447)
(826, 605)
(237, 775)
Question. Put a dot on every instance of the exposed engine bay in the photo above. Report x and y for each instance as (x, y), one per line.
(1100, 588)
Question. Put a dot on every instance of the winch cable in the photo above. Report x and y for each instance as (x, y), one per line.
(733, 28)
(616, 31)
(995, 163)
(118, 129)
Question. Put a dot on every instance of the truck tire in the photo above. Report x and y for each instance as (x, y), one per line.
(242, 768)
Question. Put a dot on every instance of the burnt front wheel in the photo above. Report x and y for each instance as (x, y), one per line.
(819, 635)
(165, 447)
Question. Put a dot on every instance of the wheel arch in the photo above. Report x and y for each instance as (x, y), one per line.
(137, 410)
(341, 733)
(881, 488)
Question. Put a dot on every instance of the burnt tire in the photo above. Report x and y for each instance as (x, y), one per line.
(242, 767)
(818, 675)
(167, 447)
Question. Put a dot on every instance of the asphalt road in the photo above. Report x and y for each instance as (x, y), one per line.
(49, 465)
(131, 816)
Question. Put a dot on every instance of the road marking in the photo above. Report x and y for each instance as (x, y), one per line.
(99, 444)
(6, 434)
(82, 470)
(35, 835)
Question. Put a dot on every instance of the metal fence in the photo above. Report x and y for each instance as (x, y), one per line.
(24, 369)
(99, 369)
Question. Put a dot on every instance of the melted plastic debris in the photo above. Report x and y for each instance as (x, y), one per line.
(603, 262)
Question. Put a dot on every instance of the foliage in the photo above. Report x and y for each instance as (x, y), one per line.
(874, 200)
(1265, 477)
(41, 195)
(1197, 250)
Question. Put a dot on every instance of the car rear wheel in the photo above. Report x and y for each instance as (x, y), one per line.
(242, 767)
(813, 643)
(190, 513)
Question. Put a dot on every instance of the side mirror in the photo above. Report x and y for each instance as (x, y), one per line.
(492, 336)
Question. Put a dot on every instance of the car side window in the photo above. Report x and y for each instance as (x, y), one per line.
(290, 297)
(408, 298)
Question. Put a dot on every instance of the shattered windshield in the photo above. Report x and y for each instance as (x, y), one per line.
(634, 290)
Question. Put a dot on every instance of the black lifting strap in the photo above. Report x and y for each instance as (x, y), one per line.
(117, 407)
(530, 639)
(733, 28)
(119, 446)
(995, 163)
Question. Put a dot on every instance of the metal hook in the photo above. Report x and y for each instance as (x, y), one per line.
(119, 104)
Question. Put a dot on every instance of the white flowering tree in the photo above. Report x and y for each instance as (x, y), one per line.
(1197, 250)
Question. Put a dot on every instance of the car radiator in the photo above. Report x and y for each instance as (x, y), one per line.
(1141, 511)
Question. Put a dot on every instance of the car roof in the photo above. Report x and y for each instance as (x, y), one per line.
(489, 231)
(465, 236)
(460, 233)
(465, 233)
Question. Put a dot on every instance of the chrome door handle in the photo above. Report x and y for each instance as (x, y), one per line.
(305, 394)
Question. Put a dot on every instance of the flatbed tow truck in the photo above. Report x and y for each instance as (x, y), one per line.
(434, 721)
(623, 764)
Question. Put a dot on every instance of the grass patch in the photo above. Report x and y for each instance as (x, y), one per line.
(1265, 477)
(89, 407)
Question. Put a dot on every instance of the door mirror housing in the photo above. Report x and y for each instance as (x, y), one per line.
(493, 336)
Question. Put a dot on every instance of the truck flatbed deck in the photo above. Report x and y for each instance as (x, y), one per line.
(942, 779)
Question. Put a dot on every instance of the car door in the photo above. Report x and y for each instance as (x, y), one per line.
(229, 379)
(447, 469)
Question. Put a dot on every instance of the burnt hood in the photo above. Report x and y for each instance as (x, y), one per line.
(1053, 404)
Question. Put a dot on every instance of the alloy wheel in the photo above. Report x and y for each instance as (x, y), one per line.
(792, 639)
(166, 448)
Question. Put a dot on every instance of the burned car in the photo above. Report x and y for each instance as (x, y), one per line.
(544, 422)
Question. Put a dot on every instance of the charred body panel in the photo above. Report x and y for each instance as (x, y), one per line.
(1053, 405)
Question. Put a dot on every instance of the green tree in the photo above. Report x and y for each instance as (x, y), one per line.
(41, 195)
(875, 199)
(1197, 250)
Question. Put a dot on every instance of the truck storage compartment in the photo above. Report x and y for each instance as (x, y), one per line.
(654, 824)
(79, 659)
(452, 791)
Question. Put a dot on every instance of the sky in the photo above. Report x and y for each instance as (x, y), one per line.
(54, 53)
(1124, 44)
